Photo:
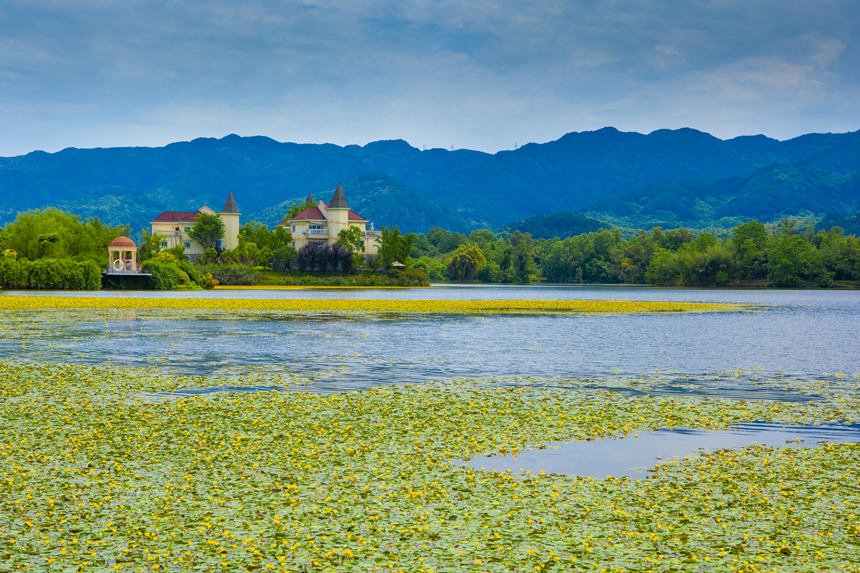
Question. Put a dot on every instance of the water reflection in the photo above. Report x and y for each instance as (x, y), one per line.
(634, 455)
(801, 334)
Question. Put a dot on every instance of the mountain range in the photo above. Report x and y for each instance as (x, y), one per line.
(667, 177)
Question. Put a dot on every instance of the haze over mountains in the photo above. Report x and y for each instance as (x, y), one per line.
(667, 177)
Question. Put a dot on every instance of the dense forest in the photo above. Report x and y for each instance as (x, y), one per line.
(55, 249)
(667, 178)
(785, 254)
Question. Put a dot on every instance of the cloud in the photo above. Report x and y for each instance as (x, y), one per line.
(482, 74)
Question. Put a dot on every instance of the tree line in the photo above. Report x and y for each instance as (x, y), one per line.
(789, 253)
(785, 254)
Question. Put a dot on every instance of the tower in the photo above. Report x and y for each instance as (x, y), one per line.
(337, 213)
(230, 216)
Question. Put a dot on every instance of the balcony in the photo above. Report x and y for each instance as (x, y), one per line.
(316, 233)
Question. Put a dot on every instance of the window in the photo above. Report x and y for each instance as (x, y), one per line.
(187, 229)
(294, 227)
(176, 229)
(164, 244)
(187, 244)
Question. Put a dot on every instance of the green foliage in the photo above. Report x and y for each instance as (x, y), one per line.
(151, 246)
(750, 246)
(55, 234)
(49, 274)
(260, 246)
(282, 258)
(320, 257)
(584, 258)
(464, 262)
(177, 252)
(394, 246)
(839, 253)
(406, 278)
(164, 275)
(792, 255)
(793, 262)
(297, 208)
(231, 274)
(434, 269)
(207, 230)
(352, 239)
(556, 225)
(520, 261)
(207, 257)
(445, 241)
(643, 179)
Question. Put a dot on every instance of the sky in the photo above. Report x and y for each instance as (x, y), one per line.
(477, 74)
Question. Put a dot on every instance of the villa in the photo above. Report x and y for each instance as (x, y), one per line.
(323, 222)
(173, 227)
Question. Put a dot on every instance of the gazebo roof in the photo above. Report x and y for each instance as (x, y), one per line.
(124, 242)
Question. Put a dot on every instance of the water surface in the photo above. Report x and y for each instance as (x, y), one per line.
(635, 455)
(800, 334)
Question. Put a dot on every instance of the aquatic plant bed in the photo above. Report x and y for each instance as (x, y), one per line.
(372, 306)
(96, 473)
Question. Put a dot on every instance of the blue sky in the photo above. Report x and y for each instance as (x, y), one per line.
(477, 74)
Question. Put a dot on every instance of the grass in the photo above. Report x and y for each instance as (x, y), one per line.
(98, 474)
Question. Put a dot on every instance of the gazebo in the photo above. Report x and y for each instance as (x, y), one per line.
(122, 256)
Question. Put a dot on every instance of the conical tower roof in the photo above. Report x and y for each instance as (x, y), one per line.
(338, 201)
(230, 205)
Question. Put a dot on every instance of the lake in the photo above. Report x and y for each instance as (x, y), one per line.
(799, 334)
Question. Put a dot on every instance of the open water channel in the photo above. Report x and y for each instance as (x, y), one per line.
(800, 334)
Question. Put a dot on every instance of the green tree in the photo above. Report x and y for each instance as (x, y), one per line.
(352, 239)
(270, 247)
(750, 249)
(794, 262)
(394, 246)
(464, 262)
(522, 257)
(632, 258)
(151, 246)
(52, 233)
(445, 241)
(297, 208)
(207, 230)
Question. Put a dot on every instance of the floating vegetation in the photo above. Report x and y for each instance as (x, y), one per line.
(177, 306)
(97, 475)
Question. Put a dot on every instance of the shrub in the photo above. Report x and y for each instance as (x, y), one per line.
(49, 274)
(193, 273)
(282, 257)
(13, 274)
(165, 276)
(232, 274)
(319, 257)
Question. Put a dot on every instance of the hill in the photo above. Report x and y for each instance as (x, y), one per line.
(556, 225)
(666, 177)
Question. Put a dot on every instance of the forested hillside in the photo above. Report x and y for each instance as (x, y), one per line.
(668, 177)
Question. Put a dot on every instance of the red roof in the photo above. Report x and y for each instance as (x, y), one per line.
(314, 213)
(309, 213)
(177, 217)
(122, 241)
